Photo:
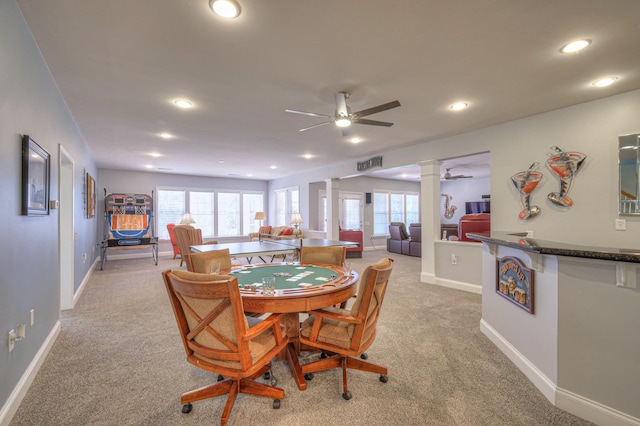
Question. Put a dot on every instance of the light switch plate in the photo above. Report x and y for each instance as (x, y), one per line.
(621, 225)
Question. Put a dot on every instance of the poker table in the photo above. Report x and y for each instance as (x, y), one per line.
(299, 288)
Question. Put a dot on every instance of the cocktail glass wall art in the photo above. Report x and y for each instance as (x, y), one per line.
(35, 178)
(565, 165)
(525, 182)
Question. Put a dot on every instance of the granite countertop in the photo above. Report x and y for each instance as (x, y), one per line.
(522, 242)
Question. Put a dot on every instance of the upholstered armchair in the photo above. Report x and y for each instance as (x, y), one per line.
(172, 237)
(415, 244)
(356, 237)
(398, 242)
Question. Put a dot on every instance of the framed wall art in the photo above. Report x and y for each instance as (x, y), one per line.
(91, 196)
(36, 163)
(514, 282)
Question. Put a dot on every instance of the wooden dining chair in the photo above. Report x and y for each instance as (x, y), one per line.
(187, 236)
(329, 255)
(347, 334)
(217, 337)
(201, 262)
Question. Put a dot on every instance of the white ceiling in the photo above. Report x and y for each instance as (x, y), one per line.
(120, 64)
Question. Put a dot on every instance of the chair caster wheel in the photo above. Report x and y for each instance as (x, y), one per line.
(267, 375)
(383, 378)
(347, 395)
(186, 408)
(323, 355)
(308, 376)
(364, 356)
(220, 377)
(276, 404)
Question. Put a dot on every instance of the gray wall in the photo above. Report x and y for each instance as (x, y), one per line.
(30, 103)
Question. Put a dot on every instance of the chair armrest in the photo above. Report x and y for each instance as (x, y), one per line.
(338, 316)
(264, 325)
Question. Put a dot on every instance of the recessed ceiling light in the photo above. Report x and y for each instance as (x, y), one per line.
(250, 175)
(183, 103)
(155, 154)
(220, 161)
(274, 167)
(166, 135)
(308, 156)
(356, 140)
(575, 46)
(604, 82)
(228, 9)
(149, 166)
(458, 106)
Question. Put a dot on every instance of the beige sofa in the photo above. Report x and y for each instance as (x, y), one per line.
(273, 233)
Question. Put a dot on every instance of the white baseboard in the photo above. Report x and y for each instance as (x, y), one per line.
(78, 293)
(566, 400)
(427, 277)
(459, 285)
(592, 410)
(539, 379)
(17, 395)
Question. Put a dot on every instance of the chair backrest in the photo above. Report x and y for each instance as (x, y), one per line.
(371, 291)
(187, 236)
(172, 237)
(334, 255)
(398, 231)
(201, 262)
(212, 324)
(415, 231)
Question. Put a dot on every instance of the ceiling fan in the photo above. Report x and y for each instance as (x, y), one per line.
(343, 117)
(449, 176)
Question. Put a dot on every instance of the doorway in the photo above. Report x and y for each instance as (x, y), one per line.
(66, 238)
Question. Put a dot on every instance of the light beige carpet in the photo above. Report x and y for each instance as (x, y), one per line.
(119, 361)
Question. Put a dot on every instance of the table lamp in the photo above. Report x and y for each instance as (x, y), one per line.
(296, 220)
(187, 219)
(260, 216)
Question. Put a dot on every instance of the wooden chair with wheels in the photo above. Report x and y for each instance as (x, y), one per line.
(187, 236)
(203, 262)
(347, 334)
(217, 337)
(328, 255)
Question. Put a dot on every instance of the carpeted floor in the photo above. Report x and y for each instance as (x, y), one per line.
(119, 361)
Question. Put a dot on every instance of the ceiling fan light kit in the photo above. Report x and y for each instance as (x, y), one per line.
(343, 116)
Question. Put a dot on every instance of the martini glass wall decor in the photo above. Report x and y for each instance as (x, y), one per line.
(525, 182)
(565, 165)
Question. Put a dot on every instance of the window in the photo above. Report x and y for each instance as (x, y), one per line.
(251, 203)
(287, 202)
(394, 207)
(171, 207)
(381, 213)
(234, 215)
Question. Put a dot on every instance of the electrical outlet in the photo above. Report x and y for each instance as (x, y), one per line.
(621, 225)
(454, 259)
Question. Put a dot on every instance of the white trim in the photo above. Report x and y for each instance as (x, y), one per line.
(539, 380)
(427, 277)
(17, 395)
(459, 285)
(592, 410)
(83, 284)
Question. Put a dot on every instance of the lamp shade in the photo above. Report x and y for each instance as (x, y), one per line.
(187, 219)
(260, 216)
(296, 219)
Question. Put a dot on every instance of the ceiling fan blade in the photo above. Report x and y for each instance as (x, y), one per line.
(379, 108)
(315, 125)
(312, 114)
(372, 122)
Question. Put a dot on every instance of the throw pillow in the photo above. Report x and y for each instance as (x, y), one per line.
(287, 231)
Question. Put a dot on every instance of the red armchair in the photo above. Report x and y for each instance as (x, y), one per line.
(356, 237)
(479, 223)
(172, 237)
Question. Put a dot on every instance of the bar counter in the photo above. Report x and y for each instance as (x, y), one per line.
(519, 240)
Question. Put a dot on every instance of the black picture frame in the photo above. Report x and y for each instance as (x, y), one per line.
(36, 166)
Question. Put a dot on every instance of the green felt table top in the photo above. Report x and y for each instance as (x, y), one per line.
(313, 275)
